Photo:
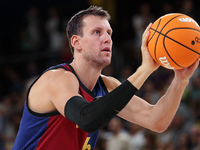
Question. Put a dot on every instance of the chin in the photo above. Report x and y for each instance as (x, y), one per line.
(106, 63)
(102, 64)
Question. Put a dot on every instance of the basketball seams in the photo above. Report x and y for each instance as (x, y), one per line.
(169, 38)
(165, 36)
(179, 42)
(168, 53)
(161, 32)
(154, 30)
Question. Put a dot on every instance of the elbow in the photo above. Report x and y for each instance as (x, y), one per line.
(89, 129)
(159, 128)
(92, 127)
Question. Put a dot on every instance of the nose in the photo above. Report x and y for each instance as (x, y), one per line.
(107, 38)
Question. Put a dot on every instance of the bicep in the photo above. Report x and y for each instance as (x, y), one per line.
(137, 111)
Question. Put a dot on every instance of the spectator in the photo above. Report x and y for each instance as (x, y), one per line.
(141, 20)
(119, 139)
(53, 29)
(137, 137)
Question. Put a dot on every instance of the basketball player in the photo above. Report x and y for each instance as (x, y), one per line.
(69, 103)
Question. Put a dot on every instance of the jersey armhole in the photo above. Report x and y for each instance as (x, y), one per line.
(41, 114)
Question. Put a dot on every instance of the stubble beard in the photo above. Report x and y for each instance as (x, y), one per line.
(98, 62)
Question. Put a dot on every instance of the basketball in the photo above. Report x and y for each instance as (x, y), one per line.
(174, 41)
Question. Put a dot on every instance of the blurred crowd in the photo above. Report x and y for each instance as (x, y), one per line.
(41, 42)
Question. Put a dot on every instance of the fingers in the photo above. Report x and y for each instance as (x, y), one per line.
(196, 64)
(146, 35)
(147, 28)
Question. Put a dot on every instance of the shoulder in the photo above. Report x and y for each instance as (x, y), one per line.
(54, 87)
(110, 82)
(55, 81)
(59, 75)
(59, 79)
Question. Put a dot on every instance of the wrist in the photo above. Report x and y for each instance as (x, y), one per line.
(146, 70)
(140, 76)
(181, 81)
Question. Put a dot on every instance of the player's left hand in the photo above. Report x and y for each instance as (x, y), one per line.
(186, 73)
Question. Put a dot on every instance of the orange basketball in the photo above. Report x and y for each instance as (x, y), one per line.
(174, 41)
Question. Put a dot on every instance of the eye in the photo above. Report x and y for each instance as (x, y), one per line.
(109, 33)
(96, 32)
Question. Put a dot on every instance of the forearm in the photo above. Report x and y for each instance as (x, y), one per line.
(166, 107)
(139, 77)
(94, 115)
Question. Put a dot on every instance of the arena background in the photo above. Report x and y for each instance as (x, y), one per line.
(32, 38)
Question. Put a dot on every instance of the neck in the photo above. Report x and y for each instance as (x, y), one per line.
(88, 74)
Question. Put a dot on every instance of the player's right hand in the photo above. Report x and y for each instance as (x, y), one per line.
(147, 61)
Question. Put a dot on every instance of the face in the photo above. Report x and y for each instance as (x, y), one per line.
(96, 43)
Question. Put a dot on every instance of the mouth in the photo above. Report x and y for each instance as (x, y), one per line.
(106, 49)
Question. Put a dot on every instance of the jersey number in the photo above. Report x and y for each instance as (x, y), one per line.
(86, 146)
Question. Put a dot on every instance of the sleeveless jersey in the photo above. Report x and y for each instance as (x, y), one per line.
(52, 131)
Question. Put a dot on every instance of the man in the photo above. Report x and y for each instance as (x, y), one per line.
(69, 103)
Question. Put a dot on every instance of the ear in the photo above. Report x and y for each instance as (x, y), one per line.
(75, 42)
